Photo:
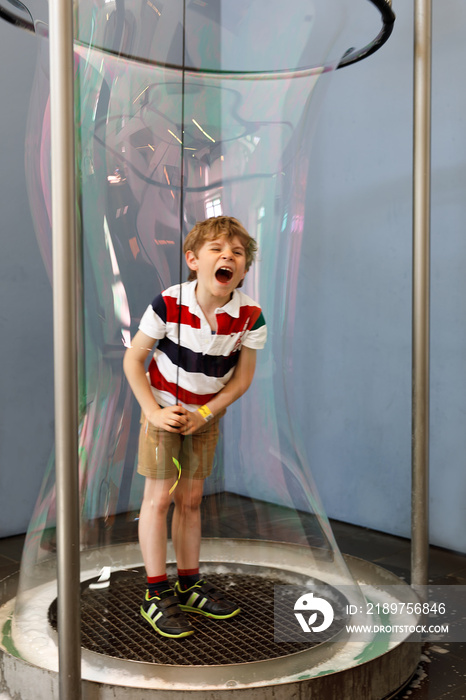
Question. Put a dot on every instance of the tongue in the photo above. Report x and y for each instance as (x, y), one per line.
(224, 275)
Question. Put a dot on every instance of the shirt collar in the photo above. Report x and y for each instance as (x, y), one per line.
(232, 307)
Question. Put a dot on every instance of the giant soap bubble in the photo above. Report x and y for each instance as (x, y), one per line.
(186, 111)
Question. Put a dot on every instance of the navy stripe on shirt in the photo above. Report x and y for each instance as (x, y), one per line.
(160, 307)
(190, 361)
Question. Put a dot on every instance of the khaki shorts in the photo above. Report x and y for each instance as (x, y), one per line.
(195, 453)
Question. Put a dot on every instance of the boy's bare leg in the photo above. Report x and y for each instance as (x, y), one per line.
(186, 524)
(195, 594)
(160, 606)
(153, 524)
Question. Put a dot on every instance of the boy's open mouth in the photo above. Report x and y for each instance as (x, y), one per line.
(224, 274)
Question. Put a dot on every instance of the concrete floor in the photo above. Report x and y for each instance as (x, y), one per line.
(441, 674)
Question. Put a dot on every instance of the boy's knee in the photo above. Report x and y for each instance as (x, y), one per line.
(157, 503)
(188, 501)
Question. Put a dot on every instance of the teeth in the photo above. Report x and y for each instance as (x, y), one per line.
(228, 273)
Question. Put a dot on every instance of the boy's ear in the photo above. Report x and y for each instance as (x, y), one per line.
(240, 283)
(191, 260)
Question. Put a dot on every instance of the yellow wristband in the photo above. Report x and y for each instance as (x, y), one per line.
(206, 413)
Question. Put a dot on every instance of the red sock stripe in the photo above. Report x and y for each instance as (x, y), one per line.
(188, 572)
(156, 579)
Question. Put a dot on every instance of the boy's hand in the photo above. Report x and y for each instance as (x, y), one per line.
(174, 419)
(194, 422)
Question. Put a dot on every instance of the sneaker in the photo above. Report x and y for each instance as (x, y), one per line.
(206, 599)
(164, 614)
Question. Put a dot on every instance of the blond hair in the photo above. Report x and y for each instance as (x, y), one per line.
(213, 228)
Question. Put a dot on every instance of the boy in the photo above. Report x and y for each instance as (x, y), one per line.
(208, 333)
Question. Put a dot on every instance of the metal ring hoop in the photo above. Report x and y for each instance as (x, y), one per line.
(9, 16)
(350, 57)
(388, 20)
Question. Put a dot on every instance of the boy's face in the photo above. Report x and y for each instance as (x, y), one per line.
(220, 265)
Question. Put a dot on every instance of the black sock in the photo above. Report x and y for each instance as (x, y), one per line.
(186, 580)
(157, 585)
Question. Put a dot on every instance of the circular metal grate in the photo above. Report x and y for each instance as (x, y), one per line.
(112, 625)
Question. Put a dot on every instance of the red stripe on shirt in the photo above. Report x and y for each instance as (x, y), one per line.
(247, 315)
(187, 318)
(159, 382)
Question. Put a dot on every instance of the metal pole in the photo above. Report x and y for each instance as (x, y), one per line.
(421, 291)
(65, 344)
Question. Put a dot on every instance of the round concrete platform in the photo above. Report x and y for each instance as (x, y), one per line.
(337, 668)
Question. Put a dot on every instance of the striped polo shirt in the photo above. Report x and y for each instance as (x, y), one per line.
(206, 359)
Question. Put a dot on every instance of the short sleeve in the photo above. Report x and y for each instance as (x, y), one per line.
(153, 321)
(257, 336)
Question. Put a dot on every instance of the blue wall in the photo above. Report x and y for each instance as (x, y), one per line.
(358, 252)
(357, 360)
(26, 391)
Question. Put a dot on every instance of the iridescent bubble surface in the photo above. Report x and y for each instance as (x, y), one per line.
(180, 118)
